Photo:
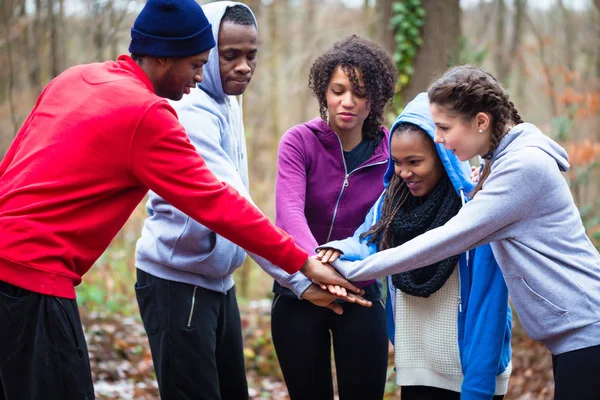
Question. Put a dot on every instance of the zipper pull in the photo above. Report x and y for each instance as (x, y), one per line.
(459, 304)
(346, 181)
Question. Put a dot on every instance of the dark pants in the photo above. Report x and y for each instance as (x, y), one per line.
(301, 334)
(576, 374)
(195, 336)
(431, 393)
(43, 354)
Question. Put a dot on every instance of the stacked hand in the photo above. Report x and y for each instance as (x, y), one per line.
(328, 255)
(329, 285)
(322, 298)
(324, 274)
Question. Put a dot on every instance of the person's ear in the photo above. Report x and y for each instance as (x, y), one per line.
(482, 122)
(162, 62)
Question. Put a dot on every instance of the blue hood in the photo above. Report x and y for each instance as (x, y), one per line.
(211, 82)
(417, 112)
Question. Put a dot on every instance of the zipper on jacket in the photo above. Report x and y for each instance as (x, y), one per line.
(192, 307)
(345, 184)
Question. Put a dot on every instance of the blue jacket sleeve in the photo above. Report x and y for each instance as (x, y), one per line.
(354, 248)
(485, 351)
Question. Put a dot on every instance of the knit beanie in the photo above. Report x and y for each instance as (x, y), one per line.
(171, 28)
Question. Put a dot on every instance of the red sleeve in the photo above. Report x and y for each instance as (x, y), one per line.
(165, 161)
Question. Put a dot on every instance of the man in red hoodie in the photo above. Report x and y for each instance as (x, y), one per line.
(99, 136)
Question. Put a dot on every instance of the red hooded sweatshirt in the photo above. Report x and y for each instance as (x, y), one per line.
(96, 141)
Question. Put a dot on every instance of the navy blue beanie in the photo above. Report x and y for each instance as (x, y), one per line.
(171, 28)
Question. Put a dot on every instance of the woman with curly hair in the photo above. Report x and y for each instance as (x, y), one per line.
(330, 172)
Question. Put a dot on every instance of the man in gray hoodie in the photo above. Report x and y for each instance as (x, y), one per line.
(184, 287)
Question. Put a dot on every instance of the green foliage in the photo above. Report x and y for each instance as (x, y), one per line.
(561, 128)
(108, 288)
(407, 19)
(581, 174)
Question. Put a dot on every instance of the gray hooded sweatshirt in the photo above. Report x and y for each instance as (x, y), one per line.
(174, 246)
(526, 211)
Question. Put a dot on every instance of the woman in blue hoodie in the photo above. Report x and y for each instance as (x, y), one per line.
(523, 207)
(452, 321)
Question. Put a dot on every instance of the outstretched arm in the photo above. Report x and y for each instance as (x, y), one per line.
(163, 159)
(488, 217)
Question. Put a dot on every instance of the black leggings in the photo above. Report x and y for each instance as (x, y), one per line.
(431, 393)
(301, 334)
(576, 374)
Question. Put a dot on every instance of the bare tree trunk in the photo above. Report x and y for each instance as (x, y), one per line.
(114, 26)
(597, 5)
(274, 67)
(516, 55)
(53, 32)
(42, 35)
(6, 11)
(385, 34)
(98, 32)
(368, 15)
(499, 58)
(545, 67)
(569, 45)
(61, 38)
(441, 41)
(308, 30)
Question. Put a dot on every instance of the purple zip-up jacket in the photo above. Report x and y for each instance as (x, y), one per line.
(316, 199)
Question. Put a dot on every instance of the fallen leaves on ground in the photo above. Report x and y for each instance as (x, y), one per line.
(122, 363)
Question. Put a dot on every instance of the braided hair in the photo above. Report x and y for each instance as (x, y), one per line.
(397, 195)
(467, 91)
(356, 55)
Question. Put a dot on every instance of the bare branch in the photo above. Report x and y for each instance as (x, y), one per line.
(545, 64)
(7, 20)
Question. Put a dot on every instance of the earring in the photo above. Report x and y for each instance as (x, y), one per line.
(481, 131)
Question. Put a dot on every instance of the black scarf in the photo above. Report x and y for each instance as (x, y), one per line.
(410, 221)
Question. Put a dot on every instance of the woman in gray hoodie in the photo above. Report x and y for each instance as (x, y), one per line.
(523, 207)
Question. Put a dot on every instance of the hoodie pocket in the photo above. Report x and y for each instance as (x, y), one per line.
(203, 252)
(541, 318)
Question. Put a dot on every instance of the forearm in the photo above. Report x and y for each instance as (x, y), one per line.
(458, 235)
(297, 282)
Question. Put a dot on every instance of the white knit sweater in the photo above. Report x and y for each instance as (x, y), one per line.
(426, 340)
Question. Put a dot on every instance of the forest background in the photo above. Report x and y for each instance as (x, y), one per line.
(546, 52)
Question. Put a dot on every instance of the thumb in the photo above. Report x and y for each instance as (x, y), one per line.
(336, 308)
(321, 285)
